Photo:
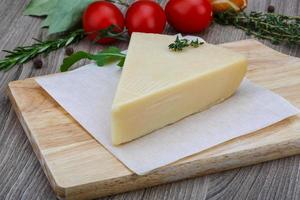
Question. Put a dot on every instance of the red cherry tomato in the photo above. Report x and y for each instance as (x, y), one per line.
(189, 16)
(145, 16)
(100, 15)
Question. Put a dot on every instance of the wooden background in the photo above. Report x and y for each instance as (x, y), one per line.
(21, 176)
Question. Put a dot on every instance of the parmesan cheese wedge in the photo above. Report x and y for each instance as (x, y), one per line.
(159, 87)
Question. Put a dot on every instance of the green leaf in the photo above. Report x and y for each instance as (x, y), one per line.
(67, 14)
(69, 61)
(106, 56)
(40, 7)
(46, 22)
(121, 62)
(61, 14)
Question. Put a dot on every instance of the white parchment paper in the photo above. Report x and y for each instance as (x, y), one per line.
(87, 94)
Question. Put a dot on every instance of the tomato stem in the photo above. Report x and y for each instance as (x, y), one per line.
(110, 32)
(120, 2)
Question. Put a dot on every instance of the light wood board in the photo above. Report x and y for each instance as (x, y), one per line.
(78, 167)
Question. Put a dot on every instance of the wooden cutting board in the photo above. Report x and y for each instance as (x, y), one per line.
(78, 167)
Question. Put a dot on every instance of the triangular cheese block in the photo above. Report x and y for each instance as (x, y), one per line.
(159, 86)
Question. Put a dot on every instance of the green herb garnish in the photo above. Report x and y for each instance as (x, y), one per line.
(106, 56)
(195, 43)
(273, 27)
(23, 54)
(180, 44)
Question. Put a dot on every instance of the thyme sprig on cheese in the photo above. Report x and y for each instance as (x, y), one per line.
(180, 44)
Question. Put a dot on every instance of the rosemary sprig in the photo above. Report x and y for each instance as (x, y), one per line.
(179, 44)
(273, 27)
(23, 54)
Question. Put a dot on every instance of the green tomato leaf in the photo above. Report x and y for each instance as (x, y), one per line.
(40, 7)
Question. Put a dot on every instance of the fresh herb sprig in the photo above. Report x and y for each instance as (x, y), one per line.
(106, 56)
(270, 26)
(180, 44)
(23, 54)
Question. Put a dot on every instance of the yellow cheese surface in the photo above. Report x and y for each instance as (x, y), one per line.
(159, 87)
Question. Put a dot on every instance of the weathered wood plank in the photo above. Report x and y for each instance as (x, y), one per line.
(21, 176)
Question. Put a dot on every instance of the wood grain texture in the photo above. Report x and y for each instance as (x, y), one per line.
(21, 176)
(78, 167)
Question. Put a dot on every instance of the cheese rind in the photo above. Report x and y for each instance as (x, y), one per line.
(159, 87)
